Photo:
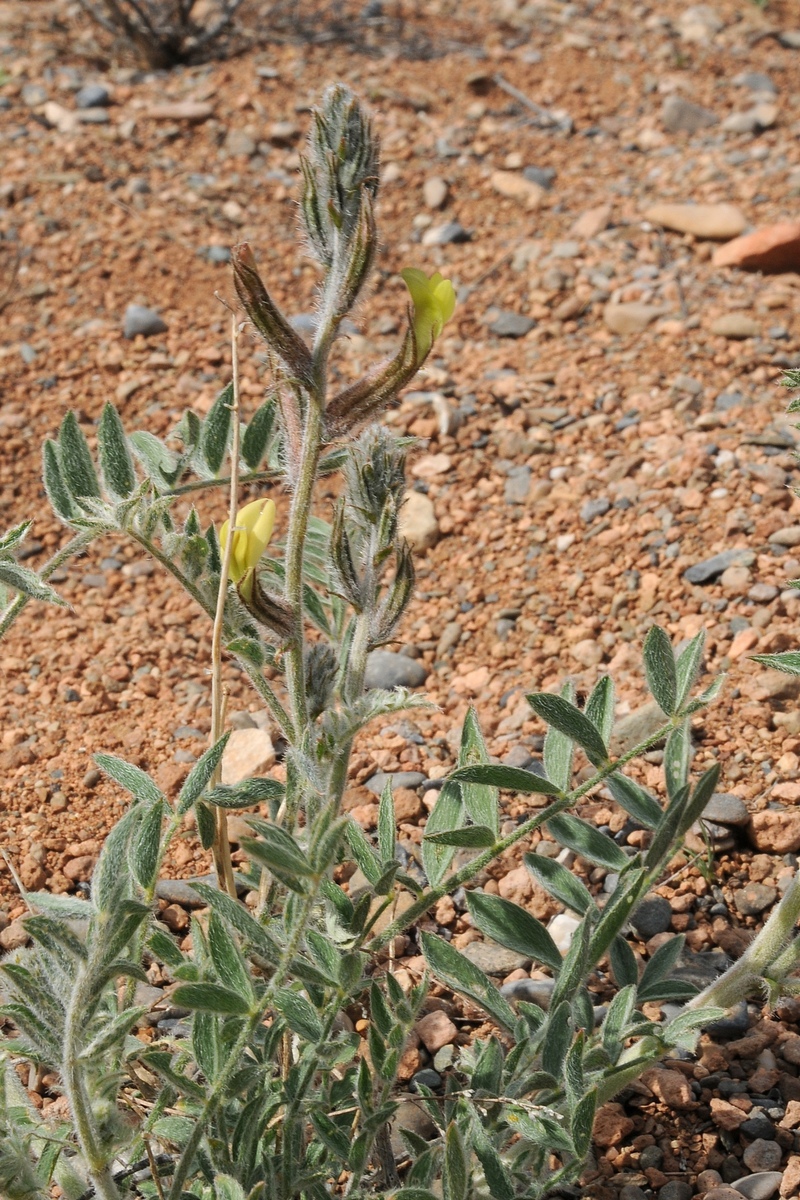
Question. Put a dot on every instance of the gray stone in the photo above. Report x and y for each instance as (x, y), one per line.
(629, 731)
(387, 669)
(761, 1186)
(726, 809)
(630, 1191)
(400, 779)
(142, 321)
(681, 116)
(734, 1024)
(630, 317)
(518, 485)
(410, 1115)
(240, 143)
(735, 326)
(443, 235)
(711, 568)
(544, 176)
(535, 991)
(651, 1156)
(653, 915)
(218, 254)
(727, 400)
(178, 891)
(753, 899)
(676, 1189)
(33, 94)
(428, 1078)
(511, 325)
(762, 593)
(495, 959)
(790, 38)
(93, 95)
(593, 509)
(443, 1058)
(762, 1155)
(756, 81)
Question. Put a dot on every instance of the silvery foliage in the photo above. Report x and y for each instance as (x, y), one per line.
(265, 1090)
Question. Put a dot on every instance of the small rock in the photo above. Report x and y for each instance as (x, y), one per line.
(80, 869)
(387, 669)
(436, 1030)
(712, 221)
(611, 1125)
(536, 991)
(676, 1189)
(14, 935)
(418, 523)
(240, 144)
(33, 94)
(518, 485)
(681, 116)
(726, 809)
(753, 899)
(699, 23)
(511, 325)
(762, 1155)
(178, 891)
(736, 580)
(736, 326)
(517, 187)
(725, 401)
(653, 915)
(595, 508)
(93, 95)
(636, 727)
(756, 81)
(788, 536)
(444, 235)
(410, 1115)
(775, 832)
(630, 317)
(426, 1078)
(562, 930)
(711, 568)
(434, 192)
(495, 959)
(762, 1186)
(723, 1192)
(62, 119)
(400, 779)
(587, 652)
(193, 111)
(790, 38)
(592, 222)
(142, 321)
(249, 753)
(760, 116)
(773, 249)
(175, 918)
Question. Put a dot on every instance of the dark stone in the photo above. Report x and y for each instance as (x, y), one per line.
(400, 779)
(652, 916)
(595, 508)
(93, 95)
(386, 669)
(710, 569)
(143, 321)
(511, 325)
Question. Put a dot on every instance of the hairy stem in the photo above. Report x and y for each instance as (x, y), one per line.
(295, 545)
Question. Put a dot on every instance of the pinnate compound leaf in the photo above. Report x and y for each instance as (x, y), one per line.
(560, 883)
(216, 430)
(447, 814)
(132, 778)
(569, 720)
(480, 801)
(77, 467)
(513, 927)
(559, 749)
(211, 998)
(578, 835)
(659, 666)
(113, 452)
(456, 972)
(510, 779)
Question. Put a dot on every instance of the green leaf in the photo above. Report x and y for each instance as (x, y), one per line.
(556, 1044)
(146, 846)
(623, 962)
(513, 927)
(560, 883)
(559, 749)
(676, 990)
(643, 807)
(498, 1179)
(228, 961)
(135, 781)
(447, 814)
(455, 1175)
(110, 873)
(386, 824)
(583, 1122)
(256, 436)
(206, 824)
(76, 461)
(569, 720)
(600, 707)
(704, 790)
(618, 1018)
(578, 835)
(683, 1029)
(247, 793)
(160, 464)
(363, 853)
(228, 1188)
(216, 430)
(456, 972)
(200, 774)
(114, 455)
(788, 661)
(677, 758)
(14, 536)
(688, 667)
(478, 836)
(481, 802)
(510, 779)
(663, 962)
(211, 998)
(299, 1015)
(115, 1031)
(57, 491)
(22, 579)
(659, 666)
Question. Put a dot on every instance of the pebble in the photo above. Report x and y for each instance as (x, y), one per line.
(756, 81)
(543, 176)
(562, 930)
(517, 187)
(436, 1030)
(495, 959)
(517, 485)
(735, 326)
(418, 522)
(410, 1115)
(676, 1189)
(762, 1155)
(33, 94)
(387, 669)
(193, 111)
(630, 317)
(14, 935)
(511, 325)
(593, 509)
(536, 991)
(710, 569)
(400, 779)
(712, 221)
(92, 95)
(249, 753)
(218, 254)
(177, 891)
(753, 899)
(772, 249)
(725, 401)
(681, 116)
(444, 235)
(758, 1127)
(761, 1186)
(434, 192)
(759, 117)
(726, 809)
(789, 535)
(427, 1077)
(592, 222)
(142, 321)
(775, 832)
(653, 915)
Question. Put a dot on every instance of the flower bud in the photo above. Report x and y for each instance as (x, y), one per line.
(269, 610)
(251, 535)
(434, 303)
(267, 317)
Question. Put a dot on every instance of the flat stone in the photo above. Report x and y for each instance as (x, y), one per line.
(400, 779)
(735, 326)
(544, 176)
(518, 485)
(592, 509)
(410, 1115)
(387, 669)
(517, 187)
(790, 38)
(592, 222)
(494, 959)
(753, 899)
(775, 832)
(636, 727)
(759, 117)
(681, 116)
(652, 915)
(142, 321)
(435, 1030)
(444, 235)
(92, 95)
(418, 523)
(762, 1155)
(511, 325)
(630, 317)
(193, 111)
(562, 930)
(14, 935)
(536, 991)
(178, 891)
(773, 249)
(434, 192)
(711, 568)
(712, 221)
(761, 1186)
(249, 753)
(726, 809)
(756, 81)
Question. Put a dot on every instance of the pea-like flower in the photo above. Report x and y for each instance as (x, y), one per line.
(251, 535)
(434, 303)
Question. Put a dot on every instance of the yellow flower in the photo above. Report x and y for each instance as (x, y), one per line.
(251, 535)
(434, 302)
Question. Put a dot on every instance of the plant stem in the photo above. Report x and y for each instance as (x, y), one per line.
(295, 545)
(73, 547)
(221, 849)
